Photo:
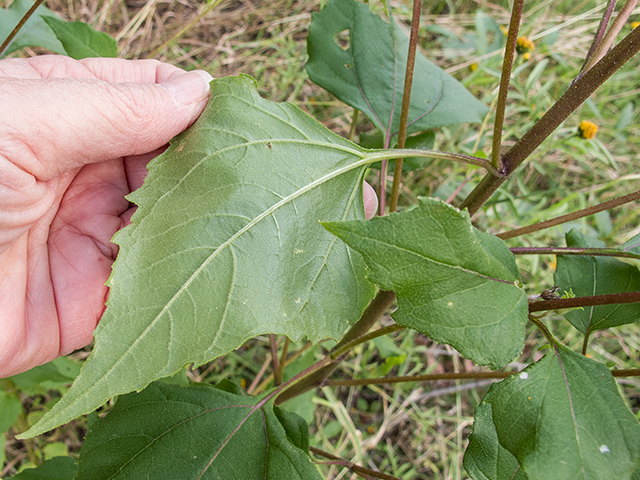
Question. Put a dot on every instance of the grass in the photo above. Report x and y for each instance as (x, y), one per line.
(409, 431)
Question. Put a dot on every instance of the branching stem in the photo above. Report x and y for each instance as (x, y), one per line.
(575, 96)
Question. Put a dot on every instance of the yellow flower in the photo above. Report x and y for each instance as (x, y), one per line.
(524, 45)
(504, 30)
(587, 129)
(635, 24)
(473, 67)
(526, 56)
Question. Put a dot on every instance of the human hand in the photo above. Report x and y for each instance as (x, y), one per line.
(75, 138)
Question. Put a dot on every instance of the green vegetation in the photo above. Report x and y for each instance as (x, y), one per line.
(407, 428)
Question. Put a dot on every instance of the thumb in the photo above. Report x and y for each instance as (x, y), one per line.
(59, 124)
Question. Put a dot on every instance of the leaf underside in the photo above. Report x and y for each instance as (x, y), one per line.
(453, 283)
(226, 245)
(564, 418)
(369, 73)
(196, 432)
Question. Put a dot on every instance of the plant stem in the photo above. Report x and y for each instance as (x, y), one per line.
(283, 359)
(424, 153)
(381, 302)
(616, 202)
(610, 37)
(406, 101)
(575, 96)
(603, 252)
(21, 23)
(362, 471)
(602, 28)
(507, 65)
(365, 338)
(354, 124)
(590, 301)
(418, 378)
(542, 328)
(277, 379)
(269, 378)
(633, 372)
(374, 310)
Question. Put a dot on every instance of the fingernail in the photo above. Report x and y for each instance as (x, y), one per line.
(188, 88)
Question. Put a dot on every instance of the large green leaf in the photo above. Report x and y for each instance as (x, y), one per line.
(369, 73)
(452, 282)
(563, 418)
(485, 458)
(81, 41)
(587, 276)
(34, 33)
(57, 468)
(226, 245)
(197, 432)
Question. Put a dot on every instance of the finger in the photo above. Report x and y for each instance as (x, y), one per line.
(87, 121)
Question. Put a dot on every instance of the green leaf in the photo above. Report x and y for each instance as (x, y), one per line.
(597, 276)
(10, 408)
(453, 283)
(58, 468)
(485, 458)
(34, 33)
(564, 418)
(226, 244)
(369, 73)
(55, 375)
(197, 432)
(81, 41)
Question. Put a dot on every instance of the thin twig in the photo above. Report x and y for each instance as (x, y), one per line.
(509, 55)
(362, 471)
(590, 301)
(589, 252)
(602, 28)
(406, 101)
(21, 23)
(608, 205)
(277, 379)
(283, 359)
(354, 124)
(610, 36)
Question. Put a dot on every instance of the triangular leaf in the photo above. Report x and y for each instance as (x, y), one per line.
(485, 458)
(452, 282)
(563, 418)
(81, 41)
(226, 245)
(369, 73)
(587, 276)
(197, 432)
(34, 33)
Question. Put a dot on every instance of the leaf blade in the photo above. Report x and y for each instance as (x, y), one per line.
(563, 418)
(450, 280)
(168, 431)
(369, 74)
(226, 245)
